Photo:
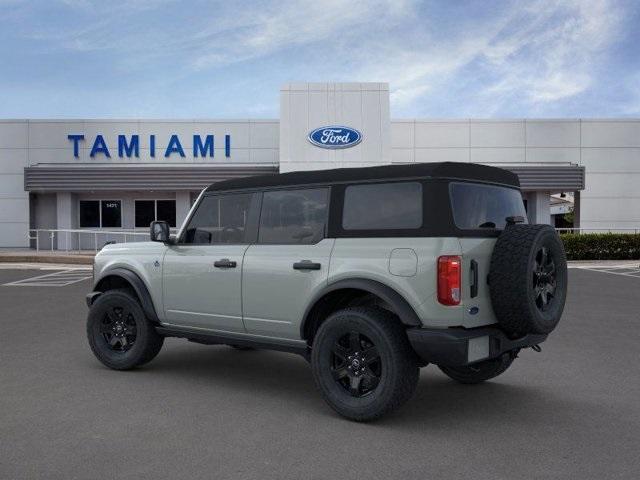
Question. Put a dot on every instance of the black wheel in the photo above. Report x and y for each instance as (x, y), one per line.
(481, 371)
(528, 279)
(119, 334)
(363, 364)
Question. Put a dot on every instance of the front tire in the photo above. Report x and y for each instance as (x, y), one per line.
(363, 364)
(119, 333)
(479, 372)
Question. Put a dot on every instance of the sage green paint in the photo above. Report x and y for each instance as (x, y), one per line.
(265, 297)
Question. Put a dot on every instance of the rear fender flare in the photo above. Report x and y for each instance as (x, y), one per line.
(397, 302)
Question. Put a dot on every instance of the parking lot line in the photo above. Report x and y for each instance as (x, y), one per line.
(55, 279)
(622, 270)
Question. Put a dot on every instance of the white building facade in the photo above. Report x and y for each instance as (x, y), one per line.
(117, 175)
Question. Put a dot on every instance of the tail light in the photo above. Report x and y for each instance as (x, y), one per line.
(449, 281)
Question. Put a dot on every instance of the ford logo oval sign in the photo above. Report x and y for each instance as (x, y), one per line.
(335, 136)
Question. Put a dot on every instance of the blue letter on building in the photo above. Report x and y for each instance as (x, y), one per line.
(99, 146)
(128, 149)
(174, 147)
(76, 139)
(227, 146)
(202, 149)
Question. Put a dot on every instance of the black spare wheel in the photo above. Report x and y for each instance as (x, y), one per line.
(528, 279)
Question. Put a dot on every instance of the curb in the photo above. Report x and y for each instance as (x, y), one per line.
(68, 259)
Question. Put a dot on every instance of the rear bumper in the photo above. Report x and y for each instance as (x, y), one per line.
(456, 347)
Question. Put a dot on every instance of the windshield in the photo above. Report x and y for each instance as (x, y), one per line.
(484, 206)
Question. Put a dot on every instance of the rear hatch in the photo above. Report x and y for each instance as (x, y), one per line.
(480, 212)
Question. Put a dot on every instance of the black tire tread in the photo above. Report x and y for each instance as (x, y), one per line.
(509, 266)
(402, 351)
(471, 374)
(152, 346)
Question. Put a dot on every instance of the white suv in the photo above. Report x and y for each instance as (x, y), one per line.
(370, 273)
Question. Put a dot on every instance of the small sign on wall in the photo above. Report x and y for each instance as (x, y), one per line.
(335, 136)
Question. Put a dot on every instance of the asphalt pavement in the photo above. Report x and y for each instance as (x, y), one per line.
(212, 412)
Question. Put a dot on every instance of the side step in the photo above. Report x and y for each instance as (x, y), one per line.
(207, 338)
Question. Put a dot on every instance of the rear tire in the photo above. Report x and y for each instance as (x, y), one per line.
(479, 372)
(363, 364)
(119, 334)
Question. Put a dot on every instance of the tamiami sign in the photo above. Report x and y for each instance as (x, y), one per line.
(129, 146)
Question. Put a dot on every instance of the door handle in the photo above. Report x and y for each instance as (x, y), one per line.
(306, 265)
(224, 263)
(474, 279)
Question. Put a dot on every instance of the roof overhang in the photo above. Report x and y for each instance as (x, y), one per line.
(550, 178)
(76, 178)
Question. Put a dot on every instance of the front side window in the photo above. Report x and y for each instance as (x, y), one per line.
(477, 206)
(219, 219)
(294, 216)
(100, 214)
(383, 206)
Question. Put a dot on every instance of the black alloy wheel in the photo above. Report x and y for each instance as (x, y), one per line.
(356, 364)
(544, 278)
(118, 328)
(528, 279)
(119, 333)
(362, 362)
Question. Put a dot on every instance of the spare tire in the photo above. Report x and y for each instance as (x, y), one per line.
(528, 279)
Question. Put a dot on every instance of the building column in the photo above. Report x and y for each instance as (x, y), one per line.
(538, 207)
(183, 205)
(576, 209)
(67, 213)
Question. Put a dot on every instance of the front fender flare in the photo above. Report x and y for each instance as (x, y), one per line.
(136, 283)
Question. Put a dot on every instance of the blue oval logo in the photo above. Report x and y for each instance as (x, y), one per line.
(335, 136)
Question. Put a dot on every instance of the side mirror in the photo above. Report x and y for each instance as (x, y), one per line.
(160, 231)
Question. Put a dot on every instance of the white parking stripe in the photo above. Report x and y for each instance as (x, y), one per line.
(55, 279)
(622, 270)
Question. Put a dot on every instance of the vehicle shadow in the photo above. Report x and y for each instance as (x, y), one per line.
(438, 402)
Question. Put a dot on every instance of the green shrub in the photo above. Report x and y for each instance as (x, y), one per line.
(601, 246)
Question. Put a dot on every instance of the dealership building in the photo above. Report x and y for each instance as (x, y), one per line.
(118, 175)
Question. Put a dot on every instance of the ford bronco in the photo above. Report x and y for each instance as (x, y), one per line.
(369, 273)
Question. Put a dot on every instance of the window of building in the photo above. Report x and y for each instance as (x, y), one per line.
(484, 206)
(100, 214)
(166, 210)
(90, 214)
(146, 211)
(219, 219)
(293, 216)
(383, 206)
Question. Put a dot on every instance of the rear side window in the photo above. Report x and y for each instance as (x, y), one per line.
(219, 219)
(478, 206)
(293, 216)
(383, 206)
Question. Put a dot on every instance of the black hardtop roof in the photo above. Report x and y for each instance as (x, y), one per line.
(453, 170)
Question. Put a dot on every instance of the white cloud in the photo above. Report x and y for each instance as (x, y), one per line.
(536, 52)
(544, 53)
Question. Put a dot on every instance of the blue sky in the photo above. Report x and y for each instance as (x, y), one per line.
(227, 59)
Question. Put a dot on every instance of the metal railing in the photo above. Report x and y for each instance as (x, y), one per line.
(71, 240)
(79, 240)
(599, 230)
